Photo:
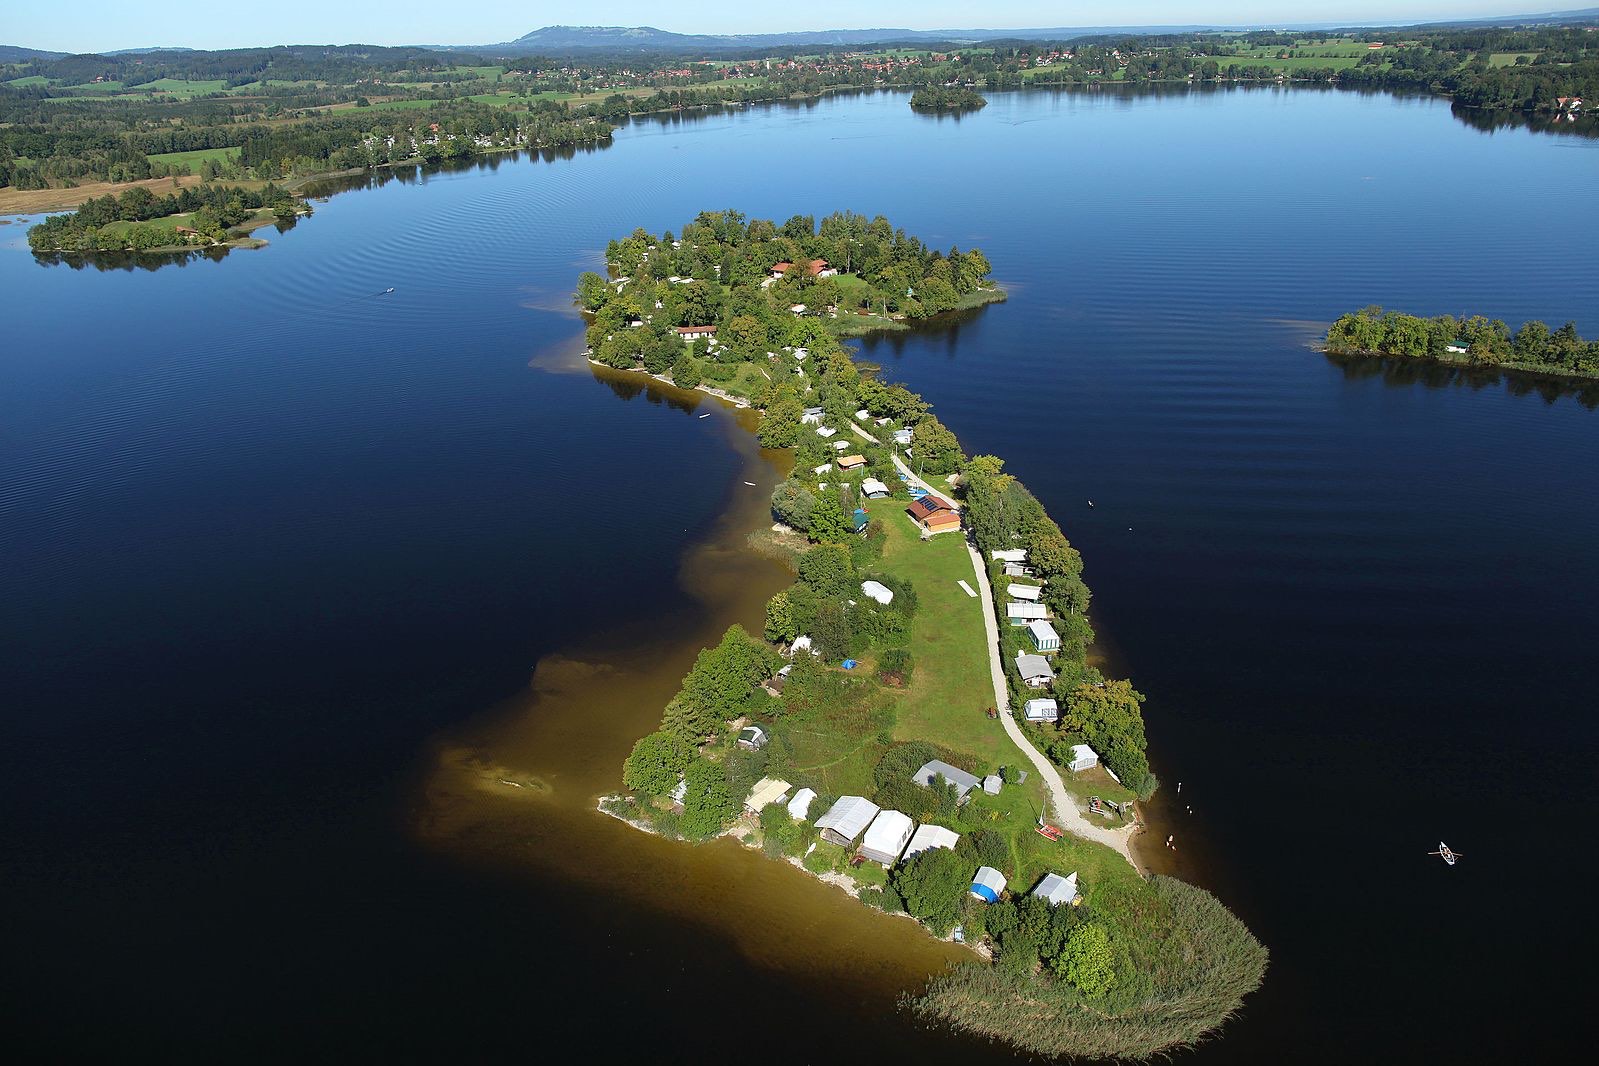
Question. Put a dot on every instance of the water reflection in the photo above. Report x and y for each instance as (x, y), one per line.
(1400, 372)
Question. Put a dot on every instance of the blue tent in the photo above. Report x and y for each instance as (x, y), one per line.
(860, 519)
(988, 884)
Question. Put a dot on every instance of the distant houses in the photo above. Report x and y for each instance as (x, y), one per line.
(937, 770)
(935, 515)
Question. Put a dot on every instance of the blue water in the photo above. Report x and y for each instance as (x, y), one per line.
(265, 533)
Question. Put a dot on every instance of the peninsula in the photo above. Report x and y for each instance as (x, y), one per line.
(898, 727)
(1474, 341)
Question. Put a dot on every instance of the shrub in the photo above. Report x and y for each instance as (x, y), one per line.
(895, 667)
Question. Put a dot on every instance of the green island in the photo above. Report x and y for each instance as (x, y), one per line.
(204, 216)
(887, 730)
(1473, 341)
(947, 99)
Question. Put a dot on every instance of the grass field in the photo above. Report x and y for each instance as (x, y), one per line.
(951, 688)
(1508, 59)
(29, 82)
(1316, 62)
(184, 89)
(195, 159)
(398, 105)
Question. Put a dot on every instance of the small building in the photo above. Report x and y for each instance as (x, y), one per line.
(1057, 889)
(851, 462)
(812, 416)
(878, 591)
(846, 820)
(988, 885)
(1020, 612)
(1034, 670)
(935, 514)
(1083, 757)
(1044, 636)
(992, 784)
(929, 772)
(1041, 710)
(1024, 592)
(825, 468)
(802, 643)
(929, 836)
(902, 436)
(800, 806)
(1020, 570)
(679, 793)
(863, 415)
(1010, 555)
(826, 431)
(767, 791)
(753, 738)
(691, 333)
(861, 519)
(873, 489)
(886, 837)
(882, 421)
(841, 445)
(1457, 347)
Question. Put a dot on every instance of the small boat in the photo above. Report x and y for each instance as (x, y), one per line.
(388, 290)
(1090, 503)
(707, 414)
(751, 484)
(1444, 853)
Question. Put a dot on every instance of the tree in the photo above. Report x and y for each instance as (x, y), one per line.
(592, 292)
(708, 803)
(827, 569)
(780, 425)
(932, 885)
(936, 448)
(792, 505)
(828, 522)
(1087, 962)
(780, 627)
(657, 760)
(722, 676)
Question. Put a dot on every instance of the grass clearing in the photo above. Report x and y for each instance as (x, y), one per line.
(1508, 59)
(195, 159)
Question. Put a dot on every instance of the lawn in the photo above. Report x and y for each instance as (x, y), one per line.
(397, 105)
(951, 688)
(29, 82)
(182, 88)
(196, 158)
(1508, 59)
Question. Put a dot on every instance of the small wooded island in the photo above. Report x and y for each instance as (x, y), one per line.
(946, 99)
(201, 216)
(1473, 341)
(857, 735)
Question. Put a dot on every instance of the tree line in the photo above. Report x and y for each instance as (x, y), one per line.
(1474, 340)
(947, 98)
(214, 209)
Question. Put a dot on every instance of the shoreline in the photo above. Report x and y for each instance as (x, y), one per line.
(1554, 376)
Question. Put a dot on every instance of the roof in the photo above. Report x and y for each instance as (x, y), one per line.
(1057, 889)
(1083, 751)
(878, 591)
(696, 329)
(1042, 630)
(871, 485)
(800, 805)
(767, 790)
(988, 883)
(963, 781)
(849, 816)
(1041, 705)
(1030, 665)
(928, 837)
(1010, 555)
(888, 833)
(928, 506)
(1021, 609)
(849, 462)
(1024, 592)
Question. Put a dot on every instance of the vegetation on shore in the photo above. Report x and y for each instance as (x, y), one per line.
(138, 220)
(946, 99)
(1135, 966)
(1473, 341)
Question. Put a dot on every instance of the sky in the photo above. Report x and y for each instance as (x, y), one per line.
(103, 25)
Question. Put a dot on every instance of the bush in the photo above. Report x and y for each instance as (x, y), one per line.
(895, 667)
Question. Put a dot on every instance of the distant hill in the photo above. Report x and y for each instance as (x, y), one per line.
(11, 53)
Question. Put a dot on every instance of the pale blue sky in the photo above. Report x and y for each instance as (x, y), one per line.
(101, 25)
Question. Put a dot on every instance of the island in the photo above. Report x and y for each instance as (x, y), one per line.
(1473, 341)
(918, 720)
(946, 99)
(204, 216)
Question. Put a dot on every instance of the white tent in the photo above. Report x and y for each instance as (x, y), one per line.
(1082, 758)
(1010, 555)
(1044, 636)
(887, 836)
(847, 819)
(1035, 669)
(1024, 592)
(767, 790)
(826, 431)
(1057, 889)
(873, 489)
(928, 837)
(878, 591)
(988, 884)
(1020, 612)
(801, 643)
(800, 805)
(1041, 711)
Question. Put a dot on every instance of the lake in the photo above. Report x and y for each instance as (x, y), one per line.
(282, 555)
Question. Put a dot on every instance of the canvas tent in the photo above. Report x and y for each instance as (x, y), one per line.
(1010, 555)
(767, 790)
(800, 805)
(1057, 889)
(1024, 592)
(988, 884)
(847, 819)
(1082, 758)
(873, 489)
(1044, 636)
(1035, 669)
(927, 837)
(878, 591)
(886, 837)
(1041, 710)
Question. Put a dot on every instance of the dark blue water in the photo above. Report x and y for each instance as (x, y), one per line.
(265, 533)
